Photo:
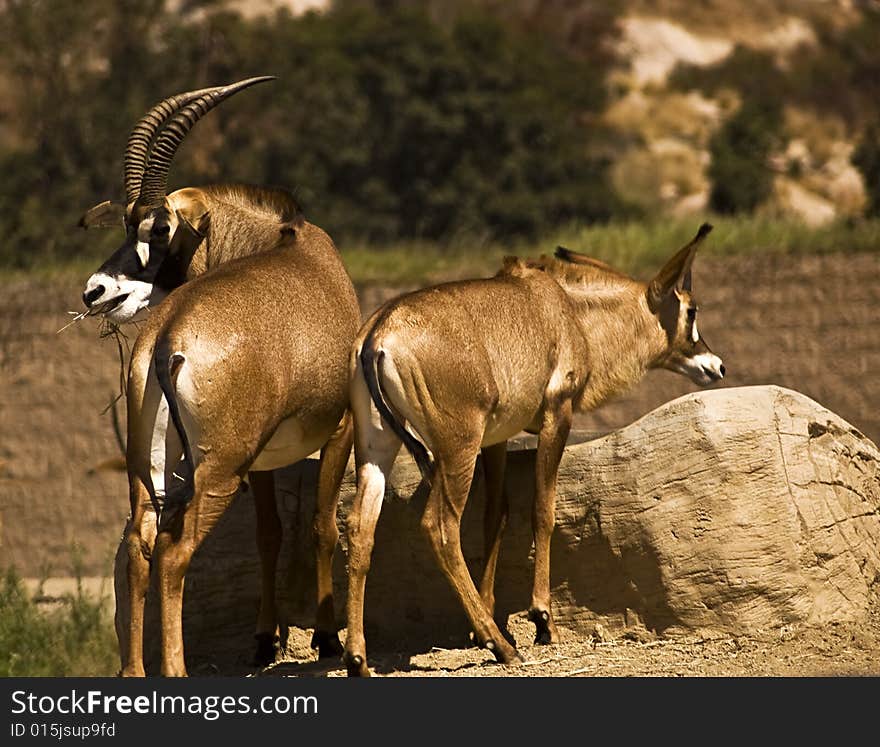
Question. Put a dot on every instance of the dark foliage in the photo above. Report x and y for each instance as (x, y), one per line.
(866, 158)
(388, 125)
(741, 179)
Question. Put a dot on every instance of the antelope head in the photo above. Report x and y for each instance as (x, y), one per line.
(671, 299)
(161, 231)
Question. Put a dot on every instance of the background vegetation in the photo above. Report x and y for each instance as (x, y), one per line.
(393, 121)
(75, 638)
(387, 125)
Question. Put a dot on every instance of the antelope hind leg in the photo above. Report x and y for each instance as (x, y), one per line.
(175, 545)
(376, 449)
(494, 522)
(131, 579)
(442, 524)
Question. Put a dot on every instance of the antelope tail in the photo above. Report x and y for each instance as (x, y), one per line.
(370, 362)
(180, 490)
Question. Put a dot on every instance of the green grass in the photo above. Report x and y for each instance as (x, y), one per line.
(74, 640)
(637, 247)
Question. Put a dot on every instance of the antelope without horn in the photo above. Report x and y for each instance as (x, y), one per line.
(240, 370)
(457, 369)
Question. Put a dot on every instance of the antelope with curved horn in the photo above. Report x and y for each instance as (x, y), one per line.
(261, 341)
(463, 366)
(167, 238)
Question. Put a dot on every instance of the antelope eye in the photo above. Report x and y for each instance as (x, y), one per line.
(692, 313)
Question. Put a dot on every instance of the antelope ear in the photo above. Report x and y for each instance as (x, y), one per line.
(676, 273)
(104, 215)
(577, 258)
(197, 228)
(567, 255)
(192, 212)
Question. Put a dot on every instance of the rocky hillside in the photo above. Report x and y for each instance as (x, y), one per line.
(670, 129)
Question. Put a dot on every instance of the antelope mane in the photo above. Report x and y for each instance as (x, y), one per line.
(590, 282)
(249, 219)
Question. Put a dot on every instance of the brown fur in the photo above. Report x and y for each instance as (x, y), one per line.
(469, 364)
(261, 339)
(190, 232)
(236, 220)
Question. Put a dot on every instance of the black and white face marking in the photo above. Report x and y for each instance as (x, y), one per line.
(143, 239)
(693, 357)
(692, 322)
(125, 284)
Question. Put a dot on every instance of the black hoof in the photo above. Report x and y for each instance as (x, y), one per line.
(543, 634)
(267, 649)
(502, 655)
(472, 639)
(543, 638)
(355, 665)
(326, 644)
(490, 645)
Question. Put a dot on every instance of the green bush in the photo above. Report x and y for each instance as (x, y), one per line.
(75, 640)
(866, 158)
(741, 179)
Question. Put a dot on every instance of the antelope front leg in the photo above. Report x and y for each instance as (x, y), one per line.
(268, 545)
(334, 458)
(131, 579)
(494, 519)
(555, 426)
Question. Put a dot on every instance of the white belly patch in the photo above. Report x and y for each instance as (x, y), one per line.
(288, 444)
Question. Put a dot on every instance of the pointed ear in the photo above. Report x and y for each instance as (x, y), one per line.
(104, 215)
(577, 258)
(192, 212)
(196, 229)
(676, 273)
(567, 255)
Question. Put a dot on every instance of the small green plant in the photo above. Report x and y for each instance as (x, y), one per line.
(74, 640)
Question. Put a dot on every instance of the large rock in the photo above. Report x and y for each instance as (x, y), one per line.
(723, 511)
(727, 510)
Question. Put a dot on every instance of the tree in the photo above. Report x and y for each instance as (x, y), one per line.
(866, 158)
(741, 179)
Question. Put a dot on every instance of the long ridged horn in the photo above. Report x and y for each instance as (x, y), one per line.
(154, 181)
(137, 150)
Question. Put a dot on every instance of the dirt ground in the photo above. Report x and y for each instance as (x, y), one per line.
(846, 649)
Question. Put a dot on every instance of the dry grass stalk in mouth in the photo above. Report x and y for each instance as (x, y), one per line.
(107, 329)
